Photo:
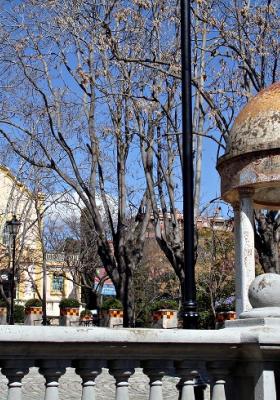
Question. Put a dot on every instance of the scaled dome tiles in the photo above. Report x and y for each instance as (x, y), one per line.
(257, 126)
(252, 158)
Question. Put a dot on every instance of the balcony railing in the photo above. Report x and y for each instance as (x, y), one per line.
(61, 257)
(240, 363)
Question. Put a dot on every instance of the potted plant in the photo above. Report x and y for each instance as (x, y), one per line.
(86, 315)
(112, 312)
(164, 313)
(19, 314)
(225, 310)
(69, 311)
(111, 303)
(33, 312)
(164, 304)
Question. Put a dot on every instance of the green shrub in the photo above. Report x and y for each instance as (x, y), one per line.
(69, 303)
(3, 303)
(33, 303)
(19, 314)
(164, 304)
(112, 302)
(85, 313)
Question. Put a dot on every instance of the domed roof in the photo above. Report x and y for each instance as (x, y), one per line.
(257, 127)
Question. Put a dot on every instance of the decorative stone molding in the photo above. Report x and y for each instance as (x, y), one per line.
(88, 371)
(187, 371)
(159, 352)
(52, 371)
(121, 370)
(155, 370)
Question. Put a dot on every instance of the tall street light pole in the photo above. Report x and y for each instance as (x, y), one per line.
(13, 229)
(189, 313)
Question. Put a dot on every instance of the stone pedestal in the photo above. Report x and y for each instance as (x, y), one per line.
(69, 316)
(33, 316)
(165, 319)
(3, 315)
(112, 318)
(222, 317)
(264, 296)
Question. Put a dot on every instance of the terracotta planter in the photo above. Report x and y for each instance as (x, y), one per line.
(165, 319)
(69, 316)
(33, 316)
(112, 318)
(86, 318)
(223, 316)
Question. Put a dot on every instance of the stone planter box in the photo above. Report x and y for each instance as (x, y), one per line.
(69, 316)
(165, 319)
(86, 318)
(33, 316)
(112, 318)
(3, 315)
(223, 316)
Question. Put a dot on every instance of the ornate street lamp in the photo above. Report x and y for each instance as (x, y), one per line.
(190, 315)
(13, 228)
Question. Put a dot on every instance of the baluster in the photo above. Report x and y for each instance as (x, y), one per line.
(88, 371)
(155, 370)
(218, 371)
(187, 371)
(15, 370)
(52, 370)
(121, 370)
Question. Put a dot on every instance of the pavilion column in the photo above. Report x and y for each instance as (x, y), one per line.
(244, 248)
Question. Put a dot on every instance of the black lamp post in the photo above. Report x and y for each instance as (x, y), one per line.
(13, 229)
(189, 314)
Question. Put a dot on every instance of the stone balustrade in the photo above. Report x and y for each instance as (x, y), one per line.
(240, 362)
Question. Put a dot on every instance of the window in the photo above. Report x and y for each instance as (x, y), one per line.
(57, 283)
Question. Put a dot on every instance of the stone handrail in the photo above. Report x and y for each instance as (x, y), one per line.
(239, 361)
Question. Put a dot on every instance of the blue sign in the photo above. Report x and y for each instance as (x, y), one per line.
(108, 289)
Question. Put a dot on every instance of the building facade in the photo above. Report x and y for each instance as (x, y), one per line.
(16, 199)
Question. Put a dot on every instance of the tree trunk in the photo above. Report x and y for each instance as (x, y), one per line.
(267, 240)
(126, 295)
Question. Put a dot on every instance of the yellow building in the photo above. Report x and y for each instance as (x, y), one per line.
(16, 199)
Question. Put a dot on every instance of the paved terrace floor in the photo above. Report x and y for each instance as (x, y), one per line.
(70, 386)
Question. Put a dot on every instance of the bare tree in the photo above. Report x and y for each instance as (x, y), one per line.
(88, 84)
(72, 117)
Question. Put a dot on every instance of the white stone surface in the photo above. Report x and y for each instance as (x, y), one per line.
(264, 291)
(244, 250)
(265, 388)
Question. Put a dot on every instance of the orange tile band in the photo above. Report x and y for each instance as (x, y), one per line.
(115, 313)
(33, 310)
(69, 312)
(227, 315)
(3, 311)
(157, 315)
